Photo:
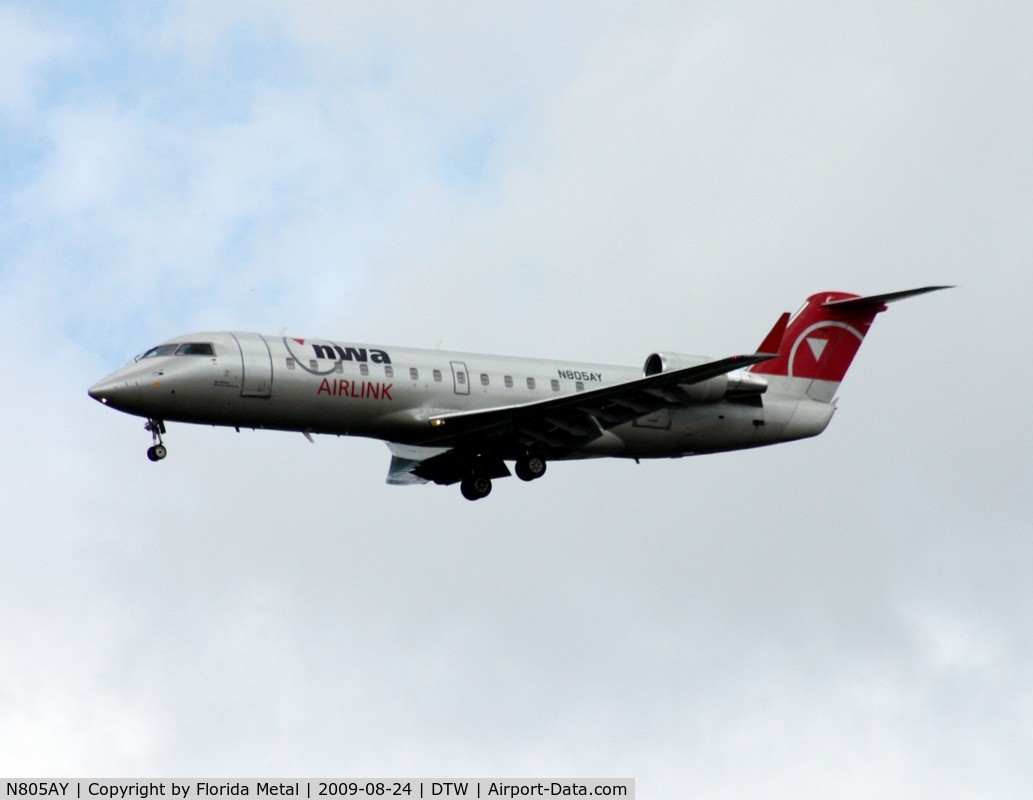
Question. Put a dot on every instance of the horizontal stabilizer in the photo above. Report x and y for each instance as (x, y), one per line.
(879, 299)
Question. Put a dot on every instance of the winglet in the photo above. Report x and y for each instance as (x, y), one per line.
(773, 341)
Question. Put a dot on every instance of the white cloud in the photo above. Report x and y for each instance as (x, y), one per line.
(26, 49)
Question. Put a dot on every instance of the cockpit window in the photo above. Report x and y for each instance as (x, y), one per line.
(160, 350)
(195, 349)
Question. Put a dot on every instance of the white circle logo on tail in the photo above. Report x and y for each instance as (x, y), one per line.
(816, 346)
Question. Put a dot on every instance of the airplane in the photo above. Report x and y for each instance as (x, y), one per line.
(451, 417)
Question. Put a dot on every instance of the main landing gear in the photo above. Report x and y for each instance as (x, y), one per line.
(157, 451)
(530, 468)
(477, 486)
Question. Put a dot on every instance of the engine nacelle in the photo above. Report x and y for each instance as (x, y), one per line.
(738, 383)
(665, 362)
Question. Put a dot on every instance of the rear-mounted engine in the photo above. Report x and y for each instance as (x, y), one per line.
(739, 383)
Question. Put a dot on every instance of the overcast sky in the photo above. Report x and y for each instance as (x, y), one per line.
(850, 616)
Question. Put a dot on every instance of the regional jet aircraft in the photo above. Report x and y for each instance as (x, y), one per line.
(459, 417)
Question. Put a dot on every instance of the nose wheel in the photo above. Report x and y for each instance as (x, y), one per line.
(157, 451)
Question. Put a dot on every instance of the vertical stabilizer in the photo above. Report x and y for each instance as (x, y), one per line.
(823, 337)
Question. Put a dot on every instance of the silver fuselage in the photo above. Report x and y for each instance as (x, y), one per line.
(317, 386)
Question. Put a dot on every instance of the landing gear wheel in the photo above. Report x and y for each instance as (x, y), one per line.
(475, 488)
(157, 451)
(530, 468)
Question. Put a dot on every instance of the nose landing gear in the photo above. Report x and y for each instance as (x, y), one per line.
(157, 451)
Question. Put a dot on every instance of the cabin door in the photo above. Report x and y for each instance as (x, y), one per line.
(257, 363)
(460, 377)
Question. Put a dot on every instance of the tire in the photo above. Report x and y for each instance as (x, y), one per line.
(475, 488)
(530, 468)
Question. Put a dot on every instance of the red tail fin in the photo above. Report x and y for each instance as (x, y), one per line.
(821, 340)
(823, 337)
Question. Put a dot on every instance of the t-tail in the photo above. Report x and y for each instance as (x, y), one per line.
(821, 340)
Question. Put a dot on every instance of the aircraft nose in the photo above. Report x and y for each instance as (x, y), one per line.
(117, 391)
(103, 391)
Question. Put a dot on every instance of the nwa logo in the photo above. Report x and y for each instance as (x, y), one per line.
(336, 352)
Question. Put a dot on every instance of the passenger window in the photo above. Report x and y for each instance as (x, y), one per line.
(364, 369)
(338, 366)
(509, 381)
(461, 377)
(484, 379)
(437, 376)
(290, 363)
(313, 364)
(555, 385)
(389, 371)
(579, 386)
(530, 383)
(414, 374)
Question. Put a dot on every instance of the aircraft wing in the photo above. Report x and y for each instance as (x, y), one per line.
(406, 459)
(552, 426)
